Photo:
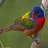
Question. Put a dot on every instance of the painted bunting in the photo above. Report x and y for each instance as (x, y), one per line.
(30, 23)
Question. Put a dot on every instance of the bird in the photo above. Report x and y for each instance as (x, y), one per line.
(30, 23)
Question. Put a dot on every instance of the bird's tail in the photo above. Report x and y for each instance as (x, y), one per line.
(16, 26)
(6, 29)
(12, 27)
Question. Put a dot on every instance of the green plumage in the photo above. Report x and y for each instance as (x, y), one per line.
(28, 23)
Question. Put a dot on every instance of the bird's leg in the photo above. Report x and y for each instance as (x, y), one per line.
(32, 37)
(37, 37)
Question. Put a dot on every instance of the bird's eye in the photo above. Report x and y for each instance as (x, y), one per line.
(36, 12)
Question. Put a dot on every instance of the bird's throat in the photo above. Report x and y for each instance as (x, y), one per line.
(34, 16)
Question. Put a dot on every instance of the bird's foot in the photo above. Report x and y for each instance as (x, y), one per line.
(32, 38)
(37, 42)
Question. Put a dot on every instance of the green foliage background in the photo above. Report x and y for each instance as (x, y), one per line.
(9, 11)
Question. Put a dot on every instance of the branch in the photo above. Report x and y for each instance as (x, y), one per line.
(36, 41)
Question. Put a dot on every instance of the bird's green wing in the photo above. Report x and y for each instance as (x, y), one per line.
(24, 21)
(28, 23)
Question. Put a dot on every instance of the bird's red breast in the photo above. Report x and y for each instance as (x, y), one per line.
(40, 23)
(37, 28)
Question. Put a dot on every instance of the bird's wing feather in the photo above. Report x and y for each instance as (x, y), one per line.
(24, 22)
(28, 23)
(26, 15)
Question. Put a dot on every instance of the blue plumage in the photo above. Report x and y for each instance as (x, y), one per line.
(37, 9)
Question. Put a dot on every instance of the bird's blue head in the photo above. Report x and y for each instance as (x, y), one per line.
(37, 11)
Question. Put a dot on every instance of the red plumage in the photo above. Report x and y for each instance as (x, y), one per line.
(36, 28)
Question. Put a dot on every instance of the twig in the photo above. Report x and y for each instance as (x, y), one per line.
(36, 41)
